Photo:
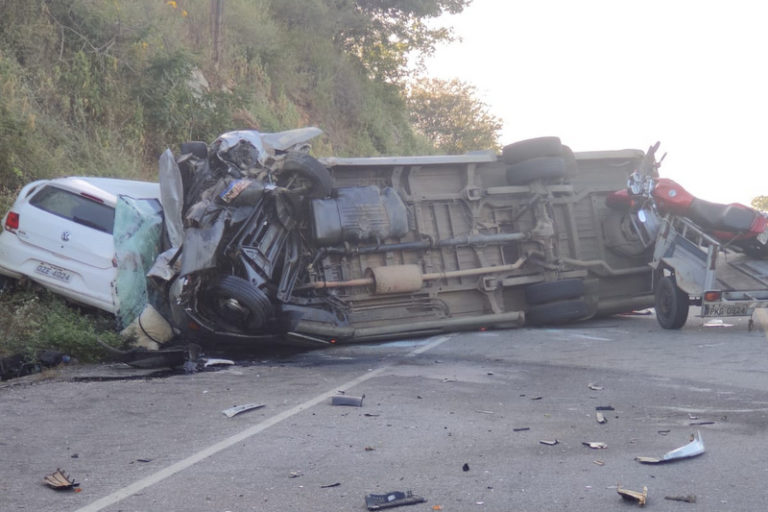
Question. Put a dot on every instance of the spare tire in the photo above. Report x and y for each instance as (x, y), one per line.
(306, 175)
(531, 148)
(541, 168)
(238, 306)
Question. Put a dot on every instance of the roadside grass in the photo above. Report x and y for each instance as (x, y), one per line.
(33, 319)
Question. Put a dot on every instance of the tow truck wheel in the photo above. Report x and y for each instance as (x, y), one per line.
(238, 305)
(671, 304)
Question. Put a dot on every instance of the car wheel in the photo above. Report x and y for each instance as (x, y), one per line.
(541, 168)
(671, 304)
(238, 305)
(541, 293)
(531, 148)
(557, 312)
(305, 175)
(196, 147)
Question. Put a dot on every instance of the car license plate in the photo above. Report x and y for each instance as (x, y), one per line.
(54, 272)
(725, 309)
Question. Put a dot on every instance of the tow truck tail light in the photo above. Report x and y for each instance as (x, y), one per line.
(711, 296)
(12, 221)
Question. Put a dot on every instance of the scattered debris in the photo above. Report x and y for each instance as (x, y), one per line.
(237, 409)
(537, 398)
(295, 474)
(690, 498)
(212, 361)
(369, 448)
(328, 486)
(604, 408)
(600, 417)
(638, 497)
(663, 432)
(369, 415)
(595, 445)
(394, 499)
(143, 461)
(552, 442)
(354, 401)
(692, 417)
(60, 481)
(717, 322)
(465, 467)
(595, 387)
(697, 423)
(437, 507)
(598, 462)
(485, 412)
(692, 449)
(521, 429)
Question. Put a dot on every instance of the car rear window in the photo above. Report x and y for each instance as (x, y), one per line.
(76, 208)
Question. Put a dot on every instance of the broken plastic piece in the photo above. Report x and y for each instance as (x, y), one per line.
(638, 497)
(392, 499)
(212, 361)
(60, 480)
(328, 486)
(604, 408)
(354, 401)
(237, 409)
(595, 387)
(600, 417)
(548, 442)
(595, 445)
(692, 449)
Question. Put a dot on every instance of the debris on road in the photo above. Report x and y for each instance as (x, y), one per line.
(354, 401)
(393, 499)
(547, 442)
(595, 387)
(328, 486)
(60, 481)
(604, 408)
(465, 467)
(521, 429)
(212, 361)
(692, 449)
(595, 445)
(237, 409)
(600, 417)
(638, 497)
(598, 462)
(295, 474)
(690, 498)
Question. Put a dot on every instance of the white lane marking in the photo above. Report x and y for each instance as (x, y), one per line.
(193, 459)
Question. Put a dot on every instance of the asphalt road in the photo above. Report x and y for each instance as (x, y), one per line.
(457, 419)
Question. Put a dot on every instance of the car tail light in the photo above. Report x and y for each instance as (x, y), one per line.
(12, 221)
(711, 296)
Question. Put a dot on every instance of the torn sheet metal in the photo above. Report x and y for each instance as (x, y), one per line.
(237, 409)
(60, 481)
(692, 449)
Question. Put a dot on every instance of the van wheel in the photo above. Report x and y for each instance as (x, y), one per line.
(557, 312)
(305, 175)
(540, 293)
(531, 148)
(541, 168)
(671, 304)
(238, 305)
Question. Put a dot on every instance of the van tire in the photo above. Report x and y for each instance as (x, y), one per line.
(540, 168)
(317, 180)
(555, 313)
(238, 305)
(531, 148)
(564, 289)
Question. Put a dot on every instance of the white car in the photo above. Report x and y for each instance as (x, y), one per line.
(59, 234)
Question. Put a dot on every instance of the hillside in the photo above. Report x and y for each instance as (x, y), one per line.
(99, 87)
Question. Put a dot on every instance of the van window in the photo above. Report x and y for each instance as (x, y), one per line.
(76, 208)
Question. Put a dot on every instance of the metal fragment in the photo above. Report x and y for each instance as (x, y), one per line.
(237, 409)
(692, 449)
(638, 497)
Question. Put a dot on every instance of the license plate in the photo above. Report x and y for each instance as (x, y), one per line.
(725, 310)
(53, 272)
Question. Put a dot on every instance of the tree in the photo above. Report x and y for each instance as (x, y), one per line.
(761, 203)
(383, 34)
(451, 117)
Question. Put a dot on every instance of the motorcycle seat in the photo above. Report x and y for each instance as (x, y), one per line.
(735, 218)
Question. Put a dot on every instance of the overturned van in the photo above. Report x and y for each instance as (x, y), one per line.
(269, 242)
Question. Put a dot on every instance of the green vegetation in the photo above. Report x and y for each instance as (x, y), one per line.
(761, 203)
(101, 87)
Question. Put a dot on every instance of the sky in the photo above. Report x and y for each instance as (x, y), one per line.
(616, 74)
